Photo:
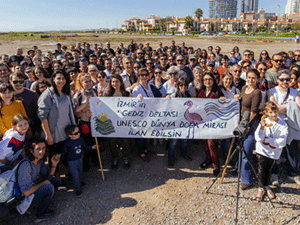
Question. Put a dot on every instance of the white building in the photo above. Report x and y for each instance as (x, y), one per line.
(292, 6)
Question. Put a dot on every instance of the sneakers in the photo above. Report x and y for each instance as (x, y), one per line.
(295, 179)
(260, 194)
(46, 217)
(274, 180)
(270, 193)
(245, 186)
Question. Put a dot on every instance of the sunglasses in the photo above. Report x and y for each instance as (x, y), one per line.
(144, 75)
(278, 60)
(263, 53)
(181, 85)
(284, 79)
(172, 74)
(180, 60)
(237, 71)
(18, 81)
(158, 73)
(202, 61)
(297, 55)
(100, 77)
(262, 69)
(246, 66)
(76, 133)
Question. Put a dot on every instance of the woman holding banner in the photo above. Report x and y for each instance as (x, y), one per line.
(144, 90)
(182, 92)
(209, 89)
(116, 88)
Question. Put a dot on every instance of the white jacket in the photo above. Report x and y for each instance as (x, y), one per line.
(271, 140)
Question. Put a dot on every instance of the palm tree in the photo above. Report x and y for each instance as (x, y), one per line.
(169, 20)
(198, 13)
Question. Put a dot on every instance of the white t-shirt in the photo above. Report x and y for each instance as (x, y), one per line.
(143, 91)
(279, 97)
(271, 140)
(167, 89)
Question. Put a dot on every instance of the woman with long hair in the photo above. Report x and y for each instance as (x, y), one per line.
(116, 88)
(264, 57)
(38, 194)
(56, 111)
(8, 107)
(38, 73)
(250, 100)
(210, 89)
(81, 98)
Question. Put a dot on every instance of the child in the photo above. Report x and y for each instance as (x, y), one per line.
(73, 149)
(270, 138)
(12, 143)
(37, 59)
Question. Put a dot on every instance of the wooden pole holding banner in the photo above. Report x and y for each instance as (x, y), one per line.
(229, 154)
(99, 157)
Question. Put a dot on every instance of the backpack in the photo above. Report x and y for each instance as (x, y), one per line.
(9, 187)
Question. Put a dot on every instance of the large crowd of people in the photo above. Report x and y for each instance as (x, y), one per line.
(44, 108)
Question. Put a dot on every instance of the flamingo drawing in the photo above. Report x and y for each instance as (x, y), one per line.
(193, 118)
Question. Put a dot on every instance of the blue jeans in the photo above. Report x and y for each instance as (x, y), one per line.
(171, 146)
(76, 171)
(42, 199)
(249, 144)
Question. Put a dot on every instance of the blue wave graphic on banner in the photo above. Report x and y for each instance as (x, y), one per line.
(223, 113)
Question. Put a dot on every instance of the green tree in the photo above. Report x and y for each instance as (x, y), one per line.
(188, 22)
(198, 13)
(169, 20)
(138, 21)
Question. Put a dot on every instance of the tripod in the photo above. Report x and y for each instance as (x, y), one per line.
(240, 148)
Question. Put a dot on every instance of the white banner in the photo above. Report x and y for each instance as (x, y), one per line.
(181, 118)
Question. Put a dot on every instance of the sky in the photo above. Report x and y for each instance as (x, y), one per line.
(46, 15)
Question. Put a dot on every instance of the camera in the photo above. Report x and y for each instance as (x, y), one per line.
(241, 130)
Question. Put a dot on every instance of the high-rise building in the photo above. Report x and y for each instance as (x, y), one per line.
(249, 6)
(222, 9)
(292, 6)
